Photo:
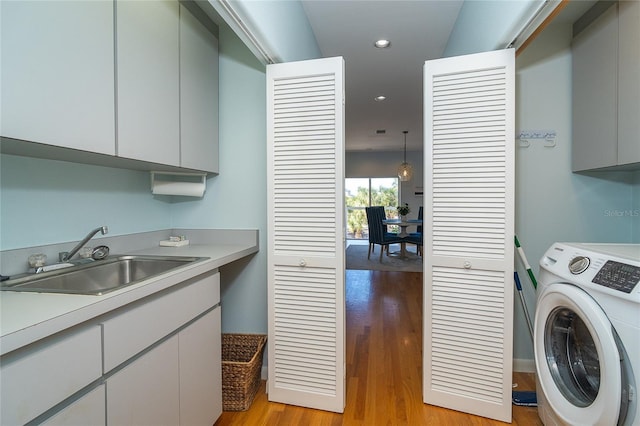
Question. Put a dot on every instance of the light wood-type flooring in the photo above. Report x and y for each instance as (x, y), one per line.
(384, 365)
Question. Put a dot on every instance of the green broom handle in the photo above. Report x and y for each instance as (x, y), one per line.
(526, 264)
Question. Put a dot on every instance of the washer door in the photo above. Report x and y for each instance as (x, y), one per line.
(576, 356)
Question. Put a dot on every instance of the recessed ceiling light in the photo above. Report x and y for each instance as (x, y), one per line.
(380, 98)
(382, 44)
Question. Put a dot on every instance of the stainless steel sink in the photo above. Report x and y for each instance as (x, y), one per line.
(99, 277)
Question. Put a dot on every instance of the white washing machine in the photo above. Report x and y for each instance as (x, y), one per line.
(587, 335)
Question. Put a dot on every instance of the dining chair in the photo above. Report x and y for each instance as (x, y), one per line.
(377, 234)
(380, 210)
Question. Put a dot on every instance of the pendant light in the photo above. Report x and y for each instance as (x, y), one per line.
(405, 171)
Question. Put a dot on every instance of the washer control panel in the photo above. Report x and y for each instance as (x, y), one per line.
(618, 276)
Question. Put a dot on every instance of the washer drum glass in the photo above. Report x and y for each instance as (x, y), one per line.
(572, 357)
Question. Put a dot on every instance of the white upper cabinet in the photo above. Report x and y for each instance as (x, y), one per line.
(606, 90)
(198, 94)
(57, 74)
(167, 81)
(148, 72)
(629, 83)
(131, 79)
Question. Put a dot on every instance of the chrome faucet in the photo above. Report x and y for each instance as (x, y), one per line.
(66, 255)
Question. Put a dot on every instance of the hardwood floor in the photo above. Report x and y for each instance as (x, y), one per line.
(384, 365)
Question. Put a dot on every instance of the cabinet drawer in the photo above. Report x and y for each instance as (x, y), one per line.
(37, 377)
(132, 329)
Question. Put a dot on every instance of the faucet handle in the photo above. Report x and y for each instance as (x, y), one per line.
(100, 252)
(63, 256)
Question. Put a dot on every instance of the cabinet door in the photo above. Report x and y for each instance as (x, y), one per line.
(146, 392)
(629, 82)
(305, 164)
(595, 94)
(198, 94)
(39, 376)
(147, 35)
(130, 331)
(469, 189)
(200, 371)
(88, 411)
(57, 74)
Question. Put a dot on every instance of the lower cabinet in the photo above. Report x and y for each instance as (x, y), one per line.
(156, 361)
(146, 392)
(88, 410)
(42, 375)
(201, 371)
(178, 382)
(130, 330)
(175, 377)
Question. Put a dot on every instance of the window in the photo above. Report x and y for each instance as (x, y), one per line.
(365, 192)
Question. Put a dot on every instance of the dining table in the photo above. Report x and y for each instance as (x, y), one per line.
(403, 224)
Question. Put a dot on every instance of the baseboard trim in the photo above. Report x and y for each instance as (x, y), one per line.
(524, 365)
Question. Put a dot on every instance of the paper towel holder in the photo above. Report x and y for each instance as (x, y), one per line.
(176, 183)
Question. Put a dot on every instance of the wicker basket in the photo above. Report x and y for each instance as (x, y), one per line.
(241, 367)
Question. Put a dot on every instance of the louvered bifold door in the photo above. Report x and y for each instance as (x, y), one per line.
(468, 233)
(305, 135)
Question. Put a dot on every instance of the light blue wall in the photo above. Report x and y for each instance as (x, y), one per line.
(47, 202)
(485, 25)
(237, 197)
(552, 203)
(282, 26)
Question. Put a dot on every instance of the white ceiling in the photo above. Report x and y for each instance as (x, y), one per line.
(418, 30)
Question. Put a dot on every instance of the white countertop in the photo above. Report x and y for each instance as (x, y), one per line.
(26, 317)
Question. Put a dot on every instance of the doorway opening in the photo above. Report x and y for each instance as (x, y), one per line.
(365, 192)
